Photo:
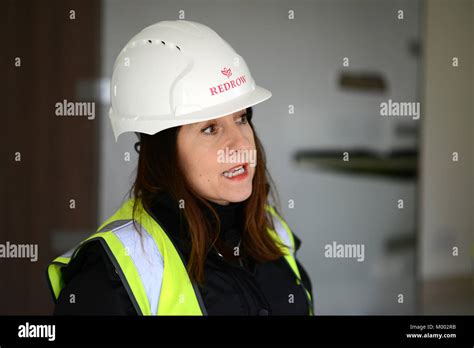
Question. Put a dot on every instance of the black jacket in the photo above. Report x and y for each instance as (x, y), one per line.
(92, 285)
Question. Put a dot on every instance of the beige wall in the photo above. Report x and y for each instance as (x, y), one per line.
(447, 187)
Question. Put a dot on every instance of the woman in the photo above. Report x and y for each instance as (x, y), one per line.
(198, 237)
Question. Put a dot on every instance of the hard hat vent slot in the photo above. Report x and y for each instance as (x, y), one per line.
(164, 43)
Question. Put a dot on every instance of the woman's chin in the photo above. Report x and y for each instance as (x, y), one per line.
(236, 195)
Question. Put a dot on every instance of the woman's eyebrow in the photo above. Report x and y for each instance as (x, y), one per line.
(241, 113)
(203, 123)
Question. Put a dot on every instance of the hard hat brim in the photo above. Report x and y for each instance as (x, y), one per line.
(152, 126)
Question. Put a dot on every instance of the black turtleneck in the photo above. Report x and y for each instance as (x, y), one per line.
(231, 220)
(166, 210)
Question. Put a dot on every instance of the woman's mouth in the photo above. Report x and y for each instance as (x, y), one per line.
(238, 172)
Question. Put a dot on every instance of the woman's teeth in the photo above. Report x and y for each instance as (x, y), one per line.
(234, 172)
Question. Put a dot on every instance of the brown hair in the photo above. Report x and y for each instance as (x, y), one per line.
(159, 170)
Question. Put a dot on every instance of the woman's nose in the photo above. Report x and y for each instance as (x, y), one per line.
(237, 138)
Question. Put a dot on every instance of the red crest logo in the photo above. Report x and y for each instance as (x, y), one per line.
(227, 72)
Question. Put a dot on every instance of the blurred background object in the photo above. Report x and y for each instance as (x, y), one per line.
(330, 65)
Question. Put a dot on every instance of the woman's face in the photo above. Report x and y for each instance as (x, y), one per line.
(209, 151)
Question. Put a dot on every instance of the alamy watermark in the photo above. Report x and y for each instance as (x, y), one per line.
(28, 330)
(404, 109)
(66, 108)
(23, 251)
(345, 251)
(242, 156)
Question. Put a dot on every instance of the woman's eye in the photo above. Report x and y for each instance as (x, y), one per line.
(210, 130)
(243, 119)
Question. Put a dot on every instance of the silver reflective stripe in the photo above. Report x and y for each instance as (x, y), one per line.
(68, 253)
(147, 260)
(110, 227)
(283, 233)
(114, 225)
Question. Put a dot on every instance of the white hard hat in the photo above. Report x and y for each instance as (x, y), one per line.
(174, 73)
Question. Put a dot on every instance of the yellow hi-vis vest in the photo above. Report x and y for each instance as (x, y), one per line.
(151, 268)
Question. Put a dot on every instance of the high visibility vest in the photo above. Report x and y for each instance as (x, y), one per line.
(151, 268)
